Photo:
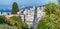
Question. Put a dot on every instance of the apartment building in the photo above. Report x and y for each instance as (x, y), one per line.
(29, 15)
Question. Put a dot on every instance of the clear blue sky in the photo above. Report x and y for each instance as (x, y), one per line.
(24, 2)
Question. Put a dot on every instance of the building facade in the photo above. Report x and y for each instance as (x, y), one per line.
(33, 15)
(5, 12)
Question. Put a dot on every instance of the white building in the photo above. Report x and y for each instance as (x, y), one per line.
(40, 12)
(5, 12)
(29, 15)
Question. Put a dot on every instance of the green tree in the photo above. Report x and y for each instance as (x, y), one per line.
(50, 8)
(2, 19)
(25, 26)
(52, 18)
(15, 8)
(16, 21)
(47, 23)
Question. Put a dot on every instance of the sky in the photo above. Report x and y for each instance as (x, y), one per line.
(21, 3)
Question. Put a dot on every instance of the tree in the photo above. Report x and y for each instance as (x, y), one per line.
(15, 8)
(50, 8)
(25, 26)
(52, 18)
(47, 23)
(2, 19)
(16, 21)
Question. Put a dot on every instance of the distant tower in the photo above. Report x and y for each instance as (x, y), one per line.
(58, 2)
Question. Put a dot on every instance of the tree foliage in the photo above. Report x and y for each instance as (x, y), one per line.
(51, 8)
(16, 21)
(52, 18)
(47, 23)
(2, 19)
(15, 8)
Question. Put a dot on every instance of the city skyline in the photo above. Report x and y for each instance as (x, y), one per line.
(23, 3)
